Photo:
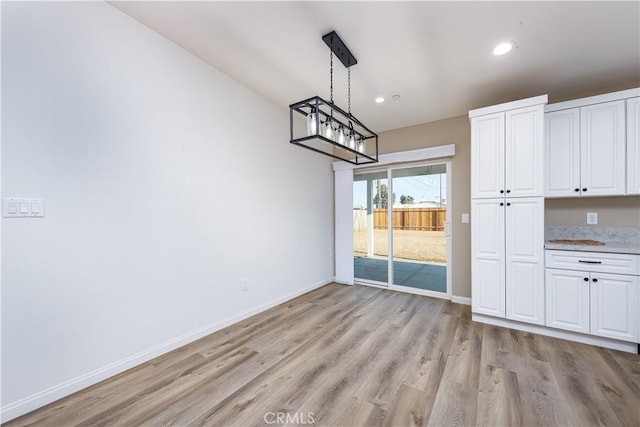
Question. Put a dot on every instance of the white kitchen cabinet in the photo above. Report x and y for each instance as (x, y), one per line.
(562, 153)
(487, 164)
(508, 259)
(488, 254)
(614, 306)
(507, 153)
(507, 210)
(567, 300)
(585, 151)
(602, 149)
(599, 262)
(582, 296)
(633, 145)
(524, 256)
(524, 143)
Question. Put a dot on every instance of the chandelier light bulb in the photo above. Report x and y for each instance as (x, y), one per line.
(352, 141)
(312, 122)
(361, 146)
(328, 130)
(342, 139)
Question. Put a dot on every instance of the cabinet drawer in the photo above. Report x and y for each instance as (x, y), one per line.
(593, 261)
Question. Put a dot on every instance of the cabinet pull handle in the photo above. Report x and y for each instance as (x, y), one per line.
(501, 191)
(590, 262)
(595, 280)
(508, 204)
(584, 189)
(501, 204)
(586, 279)
(576, 190)
(508, 191)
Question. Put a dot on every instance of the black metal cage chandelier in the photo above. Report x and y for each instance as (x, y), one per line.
(324, 127)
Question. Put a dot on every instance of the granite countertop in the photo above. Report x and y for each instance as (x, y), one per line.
(622, 240)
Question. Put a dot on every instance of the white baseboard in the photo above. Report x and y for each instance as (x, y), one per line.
(460, 300)
(40, 399)
(628, 347)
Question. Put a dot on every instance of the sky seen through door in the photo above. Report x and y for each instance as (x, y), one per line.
(428, 189)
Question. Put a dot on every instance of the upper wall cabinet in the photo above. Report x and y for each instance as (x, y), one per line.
(585, 143)
(585, 151)
(506, 151)
(602, 149)
(562, 153)
(633, 145)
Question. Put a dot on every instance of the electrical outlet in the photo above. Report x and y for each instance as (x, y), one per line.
(592, 218)
(465, 218)
(244, 283)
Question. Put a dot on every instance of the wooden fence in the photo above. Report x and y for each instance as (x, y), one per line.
(421, 219)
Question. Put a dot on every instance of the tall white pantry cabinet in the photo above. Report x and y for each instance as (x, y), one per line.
(507, 210)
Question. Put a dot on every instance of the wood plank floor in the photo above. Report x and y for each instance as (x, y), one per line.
(361, 356)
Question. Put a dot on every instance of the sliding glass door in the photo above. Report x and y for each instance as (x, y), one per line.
(419, 215)
(400, 227)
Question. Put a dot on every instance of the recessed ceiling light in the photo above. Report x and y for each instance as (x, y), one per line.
(379, 100)
(503, 48)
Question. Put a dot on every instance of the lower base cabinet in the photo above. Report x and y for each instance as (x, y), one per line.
(592, 302)
(567, 300)
(614, 306)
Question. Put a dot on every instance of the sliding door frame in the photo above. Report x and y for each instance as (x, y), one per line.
(344, 221)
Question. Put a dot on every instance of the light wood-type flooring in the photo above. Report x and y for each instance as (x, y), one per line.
(362, 356)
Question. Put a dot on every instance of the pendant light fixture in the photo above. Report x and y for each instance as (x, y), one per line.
(324, 127)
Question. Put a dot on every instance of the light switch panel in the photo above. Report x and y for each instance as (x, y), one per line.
(592, 218)
(465, 218)
(19, 207)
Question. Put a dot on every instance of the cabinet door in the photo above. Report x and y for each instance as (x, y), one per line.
(487, 156)
(567, 296)
(562, 153)
(487, 255)
(614, 306)
(524, 141)
(602, 149)
(633, 146)
(524, 225)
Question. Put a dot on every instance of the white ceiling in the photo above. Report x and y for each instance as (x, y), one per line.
(435, 55)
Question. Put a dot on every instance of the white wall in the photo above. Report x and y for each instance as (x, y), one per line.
(165, 183)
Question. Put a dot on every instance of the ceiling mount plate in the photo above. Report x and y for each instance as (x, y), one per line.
(339, 49)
